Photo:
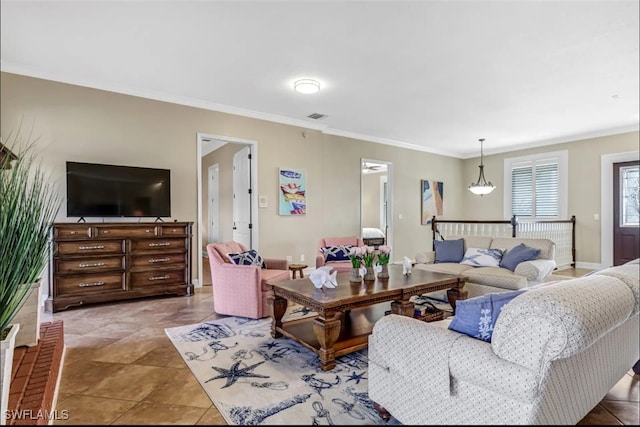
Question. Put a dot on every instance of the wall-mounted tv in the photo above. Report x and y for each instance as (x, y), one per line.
(98, 190)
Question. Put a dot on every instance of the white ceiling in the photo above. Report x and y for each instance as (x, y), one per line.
(430, 75)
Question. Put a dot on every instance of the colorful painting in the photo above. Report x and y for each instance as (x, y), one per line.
(431, 193)
(292, 194)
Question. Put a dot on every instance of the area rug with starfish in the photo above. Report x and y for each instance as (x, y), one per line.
(254, 379)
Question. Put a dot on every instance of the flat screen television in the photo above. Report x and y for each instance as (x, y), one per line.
(98, 190)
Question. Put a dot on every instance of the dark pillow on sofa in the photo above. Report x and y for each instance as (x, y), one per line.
(250, 257)
(477, 316)
(336, 253)
(448, 250)
(518, 254)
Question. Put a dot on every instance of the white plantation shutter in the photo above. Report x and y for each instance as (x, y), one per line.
(522, 191)
(547, 198)
(535, 186)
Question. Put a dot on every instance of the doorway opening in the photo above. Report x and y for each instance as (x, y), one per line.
(376, 195)
(223, 205)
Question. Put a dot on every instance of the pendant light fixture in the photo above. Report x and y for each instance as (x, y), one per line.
(481, 187)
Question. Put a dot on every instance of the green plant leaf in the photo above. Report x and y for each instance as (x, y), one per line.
(29, 204)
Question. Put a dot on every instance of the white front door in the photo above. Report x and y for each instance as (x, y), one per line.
(242, 197)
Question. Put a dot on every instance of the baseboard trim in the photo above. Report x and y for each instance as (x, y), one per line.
(589, 265)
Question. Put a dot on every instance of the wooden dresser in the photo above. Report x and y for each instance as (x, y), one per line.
(101, 262)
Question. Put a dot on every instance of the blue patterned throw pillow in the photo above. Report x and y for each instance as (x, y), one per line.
(448, 250)
(250, 257)
(477, 316)
(336, 253)
(518, 254)
(478, 257)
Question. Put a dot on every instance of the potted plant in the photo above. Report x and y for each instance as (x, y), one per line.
(28, 205)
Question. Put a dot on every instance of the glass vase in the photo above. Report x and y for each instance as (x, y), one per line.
(384, 274)
(370, 274)
(355, 275)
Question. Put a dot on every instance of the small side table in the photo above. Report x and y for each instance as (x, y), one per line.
(297, 268)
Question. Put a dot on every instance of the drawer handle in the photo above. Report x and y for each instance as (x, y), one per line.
(96, 264)
(166, 276)
(82, 248)
(153, 260)
(87, 285)
(153, 245)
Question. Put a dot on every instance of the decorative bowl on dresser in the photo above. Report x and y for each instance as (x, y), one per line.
(102, 262)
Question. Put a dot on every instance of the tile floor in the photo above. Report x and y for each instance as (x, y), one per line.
(120, 367)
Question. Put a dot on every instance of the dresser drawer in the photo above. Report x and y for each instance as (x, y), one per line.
(90, 283)
(157, 244)
(174, 230)
(91, 247)
(126, 232)
(72, 232)
(90, 265)
(157, 260)
(157, 277)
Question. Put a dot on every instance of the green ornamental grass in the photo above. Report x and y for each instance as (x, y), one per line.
(29, 205)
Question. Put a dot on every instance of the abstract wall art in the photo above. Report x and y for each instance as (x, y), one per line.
(292, 192)
(431, 198)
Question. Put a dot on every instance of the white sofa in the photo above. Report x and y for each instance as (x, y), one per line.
(484, 280)
(556, 351)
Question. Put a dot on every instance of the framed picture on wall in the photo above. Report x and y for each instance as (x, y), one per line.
(431, 200)
(292, 197)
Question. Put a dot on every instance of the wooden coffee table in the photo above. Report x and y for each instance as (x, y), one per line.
(325, 334)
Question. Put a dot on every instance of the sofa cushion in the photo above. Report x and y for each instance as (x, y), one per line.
(448, 250)
(518, 254)
(496, 277)
(483, 242)
(336, 253)
(445, 267)
(478, 257)
(250, 257)
(628, 274)
(477, 316)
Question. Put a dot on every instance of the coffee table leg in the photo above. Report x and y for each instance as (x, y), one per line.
(278, 306)
(455, 294)
(327, 332)
(403, 308)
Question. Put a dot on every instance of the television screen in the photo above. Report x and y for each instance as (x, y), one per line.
(117, 191)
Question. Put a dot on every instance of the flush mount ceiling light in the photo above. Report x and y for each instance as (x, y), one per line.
(306, 86)
(481, 187)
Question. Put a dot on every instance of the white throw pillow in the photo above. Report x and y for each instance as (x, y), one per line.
(478, 257)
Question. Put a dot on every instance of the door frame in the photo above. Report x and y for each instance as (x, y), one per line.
(389, 236)
(606, 202)
(214, 207)
(254, 193)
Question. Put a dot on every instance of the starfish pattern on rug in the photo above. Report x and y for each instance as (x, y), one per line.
(234, 373)
(356, 377)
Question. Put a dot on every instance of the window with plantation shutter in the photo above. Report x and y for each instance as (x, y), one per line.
(536, 186)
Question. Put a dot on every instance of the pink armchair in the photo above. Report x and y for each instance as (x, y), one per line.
(336, 241)
(241, 290)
